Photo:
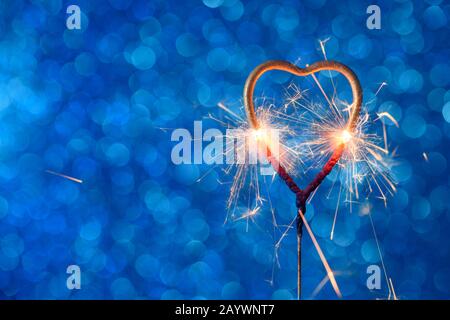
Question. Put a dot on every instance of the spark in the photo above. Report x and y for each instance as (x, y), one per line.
(260, 134)
(64, 176)
(253, 143)
(324, 281)
(389, 116)
(380, 87)
(380, 254)
(320, 286)
(249, 214)
(364, 163)
(322, 46)
(325, 263)
(335, 214)
(425, 156)
(344, 136)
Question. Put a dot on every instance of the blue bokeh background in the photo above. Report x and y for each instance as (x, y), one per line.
(94, 103)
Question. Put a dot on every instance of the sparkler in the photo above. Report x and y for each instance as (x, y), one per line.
(64, 176)
(343, 137)
(335, 128)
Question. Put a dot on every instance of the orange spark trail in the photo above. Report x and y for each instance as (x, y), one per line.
(392, 289)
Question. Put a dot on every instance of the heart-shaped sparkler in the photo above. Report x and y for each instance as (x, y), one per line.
(302, 195)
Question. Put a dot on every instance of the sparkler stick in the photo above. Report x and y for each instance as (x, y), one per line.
(303, 195)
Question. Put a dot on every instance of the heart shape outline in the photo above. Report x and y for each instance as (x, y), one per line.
(303, 195)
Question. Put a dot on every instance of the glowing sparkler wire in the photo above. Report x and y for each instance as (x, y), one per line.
(303, 195)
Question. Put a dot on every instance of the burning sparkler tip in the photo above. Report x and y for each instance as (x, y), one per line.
(259, 134)
(345, 136)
